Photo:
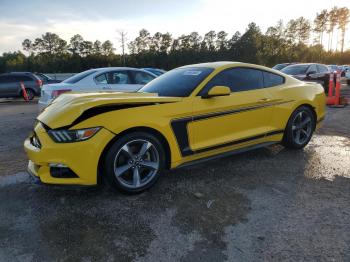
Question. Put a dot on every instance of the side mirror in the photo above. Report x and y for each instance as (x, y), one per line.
(218, 91)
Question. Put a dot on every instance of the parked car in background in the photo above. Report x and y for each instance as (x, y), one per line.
(10, 84)
(310, 72)
(122, 79)
(155, 71)
(46, 79)
(344, 69)
(334, 69)
(347, 73)
(279, 67)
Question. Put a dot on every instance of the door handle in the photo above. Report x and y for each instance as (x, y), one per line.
(263, 100)
(106, 87)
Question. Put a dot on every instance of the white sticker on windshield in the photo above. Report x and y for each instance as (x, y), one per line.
(192, 73)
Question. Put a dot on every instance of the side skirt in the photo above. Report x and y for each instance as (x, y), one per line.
(225, 154)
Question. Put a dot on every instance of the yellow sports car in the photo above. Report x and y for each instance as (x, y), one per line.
(189, 114)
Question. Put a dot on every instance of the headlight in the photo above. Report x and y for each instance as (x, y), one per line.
(69, 136)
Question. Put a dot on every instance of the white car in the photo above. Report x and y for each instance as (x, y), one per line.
(121, 79)
(347, 74)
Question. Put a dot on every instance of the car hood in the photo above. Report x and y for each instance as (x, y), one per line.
(67, 108)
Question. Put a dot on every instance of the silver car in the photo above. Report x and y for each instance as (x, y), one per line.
(10, 84)
(121, 79)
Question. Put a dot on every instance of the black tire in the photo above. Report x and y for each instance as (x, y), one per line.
(30, 94)
(290, 137)
(115, 153)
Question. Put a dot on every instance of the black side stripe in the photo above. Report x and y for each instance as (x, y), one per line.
(236, 142)
(236, 111)
(179, 127)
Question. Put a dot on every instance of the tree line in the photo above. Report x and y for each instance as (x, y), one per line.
(299, 40)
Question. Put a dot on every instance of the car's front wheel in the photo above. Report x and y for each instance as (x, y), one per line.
(300, 128)
(133, 162)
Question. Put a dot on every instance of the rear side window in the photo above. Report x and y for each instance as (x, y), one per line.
(141, 78)
(312, 68)
(237, 79)
(19, 78)
(102, 79)
(76, 78)
(271, 79)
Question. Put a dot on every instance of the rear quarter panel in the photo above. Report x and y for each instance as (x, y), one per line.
(297, 93)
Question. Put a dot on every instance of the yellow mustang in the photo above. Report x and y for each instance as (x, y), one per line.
(189, 114)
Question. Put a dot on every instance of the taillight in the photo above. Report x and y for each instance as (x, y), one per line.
(39, 83)
(56, 93)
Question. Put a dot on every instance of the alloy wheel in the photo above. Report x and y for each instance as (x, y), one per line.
(136, 163)
(302, 127)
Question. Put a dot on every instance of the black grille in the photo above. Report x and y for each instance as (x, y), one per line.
(62, 172)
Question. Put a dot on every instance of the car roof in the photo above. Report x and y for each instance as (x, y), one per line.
(214, 64)
(228, 64)
(18, 73)
(115, 68)
(304, 64)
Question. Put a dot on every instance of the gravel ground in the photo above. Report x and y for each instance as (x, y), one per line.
(270, 204)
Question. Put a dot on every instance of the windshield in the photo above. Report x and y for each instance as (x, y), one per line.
(76, 78)
(43, 77)
(279, 66)
(178, 82)
(295, 69)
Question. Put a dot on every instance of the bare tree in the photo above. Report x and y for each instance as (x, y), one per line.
(333, 20)
(320, 24)
(344, 19)
(122, 39)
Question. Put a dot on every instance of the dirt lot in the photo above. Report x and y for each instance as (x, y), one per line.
(270, 204)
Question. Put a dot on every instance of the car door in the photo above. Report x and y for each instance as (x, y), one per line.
(241, 117)
(120, 80)
(5, 86)
(14, 85)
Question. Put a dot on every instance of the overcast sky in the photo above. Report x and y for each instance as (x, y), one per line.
(20, 19)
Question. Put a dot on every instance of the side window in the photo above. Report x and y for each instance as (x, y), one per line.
(312, 68)
(102, 79)
(237, 79)
(271, 79)
(322, 69)
(141, 78)
(20, 78)
(119, 78)
(12, 79)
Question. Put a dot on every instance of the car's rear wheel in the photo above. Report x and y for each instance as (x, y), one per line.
(133, 162)
(300, 128)
(30, 94)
